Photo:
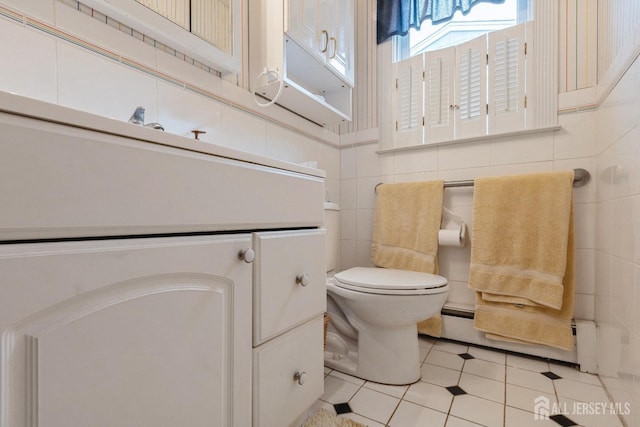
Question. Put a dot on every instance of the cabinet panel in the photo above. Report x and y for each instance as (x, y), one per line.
(152, 332)
(91, 184)
(289, 280)
(279, 398)
(340, 49)
(302, 25)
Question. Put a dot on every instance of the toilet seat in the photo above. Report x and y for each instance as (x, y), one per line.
(387, 281)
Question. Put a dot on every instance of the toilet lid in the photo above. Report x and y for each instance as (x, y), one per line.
(388, 279)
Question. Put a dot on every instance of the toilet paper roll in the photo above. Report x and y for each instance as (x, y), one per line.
(455, 237)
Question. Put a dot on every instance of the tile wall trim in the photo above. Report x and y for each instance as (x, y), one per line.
(153, 72)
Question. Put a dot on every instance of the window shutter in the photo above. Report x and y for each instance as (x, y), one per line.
(507, 80)
(409, 102)
(471, 98)
(439, 86)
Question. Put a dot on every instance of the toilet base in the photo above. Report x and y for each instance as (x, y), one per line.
(387, 356)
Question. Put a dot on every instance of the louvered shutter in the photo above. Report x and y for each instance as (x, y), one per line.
(439, 95)
(507, 80)
(408, 102)
(471, 74)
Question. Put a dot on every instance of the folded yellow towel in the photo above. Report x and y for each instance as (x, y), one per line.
(522, 258)
(539, 325)
(406, 224)
(520, 238)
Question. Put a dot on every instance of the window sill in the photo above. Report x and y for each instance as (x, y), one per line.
(473, 139)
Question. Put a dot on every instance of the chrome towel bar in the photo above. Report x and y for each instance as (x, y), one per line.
(581, 177)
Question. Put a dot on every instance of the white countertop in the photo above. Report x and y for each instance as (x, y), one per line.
(29, 107)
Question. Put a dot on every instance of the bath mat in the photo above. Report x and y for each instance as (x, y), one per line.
(322, 418)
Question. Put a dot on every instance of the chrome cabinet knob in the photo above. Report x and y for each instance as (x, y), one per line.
(300, 377)
(247, 255)
(303, 279)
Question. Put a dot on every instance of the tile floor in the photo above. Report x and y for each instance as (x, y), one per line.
(467, 386)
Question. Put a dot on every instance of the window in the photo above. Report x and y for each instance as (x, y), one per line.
(470, 89)
(481, 19)
(207, 30)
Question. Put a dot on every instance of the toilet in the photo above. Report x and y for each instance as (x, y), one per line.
(374, 313)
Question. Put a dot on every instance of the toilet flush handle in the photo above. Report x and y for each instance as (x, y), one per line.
(300, 377)
(302, 279)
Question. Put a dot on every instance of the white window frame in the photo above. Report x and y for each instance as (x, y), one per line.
(146, 21)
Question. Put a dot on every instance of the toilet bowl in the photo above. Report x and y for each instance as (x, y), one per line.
(374, 314)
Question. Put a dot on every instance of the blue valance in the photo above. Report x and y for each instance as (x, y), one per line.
(396, 17)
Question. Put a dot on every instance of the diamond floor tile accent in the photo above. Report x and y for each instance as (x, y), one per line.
(551, 375)
(466, 356)
(563, 420)
(456, 390)
(342, 408)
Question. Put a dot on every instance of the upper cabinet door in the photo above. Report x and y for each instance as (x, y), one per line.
(303, 26)
(340, 21)
(325, 29)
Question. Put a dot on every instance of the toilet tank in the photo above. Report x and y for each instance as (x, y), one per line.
(332, 224)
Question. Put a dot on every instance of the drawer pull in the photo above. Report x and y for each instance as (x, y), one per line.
(302, 279)
(300, 377)
(247, 255)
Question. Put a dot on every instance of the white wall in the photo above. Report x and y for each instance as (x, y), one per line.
(617, 235)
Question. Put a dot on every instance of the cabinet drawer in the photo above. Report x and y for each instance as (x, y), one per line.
(278, 397)
(289, 280)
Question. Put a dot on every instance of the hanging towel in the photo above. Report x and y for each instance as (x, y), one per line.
(406, 224)
(405, 232)
(522, 257)
(520, 237)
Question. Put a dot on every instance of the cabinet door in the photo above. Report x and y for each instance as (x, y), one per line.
(145, 332)
(303, 25)
(339, 18)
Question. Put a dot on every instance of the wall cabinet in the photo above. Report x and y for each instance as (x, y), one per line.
(135, 287)
(326, 30)
(302, 55)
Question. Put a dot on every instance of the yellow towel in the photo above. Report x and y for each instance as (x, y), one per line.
(522, 258)
(520, 238)
(405, 232)
(539, 325)
(406, 224)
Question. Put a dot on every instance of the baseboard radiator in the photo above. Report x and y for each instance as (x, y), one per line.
(457, 325)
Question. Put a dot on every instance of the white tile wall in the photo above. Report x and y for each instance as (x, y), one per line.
(617, 266)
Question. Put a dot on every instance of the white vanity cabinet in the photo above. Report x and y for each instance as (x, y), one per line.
(302, 55)
(137, 271)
